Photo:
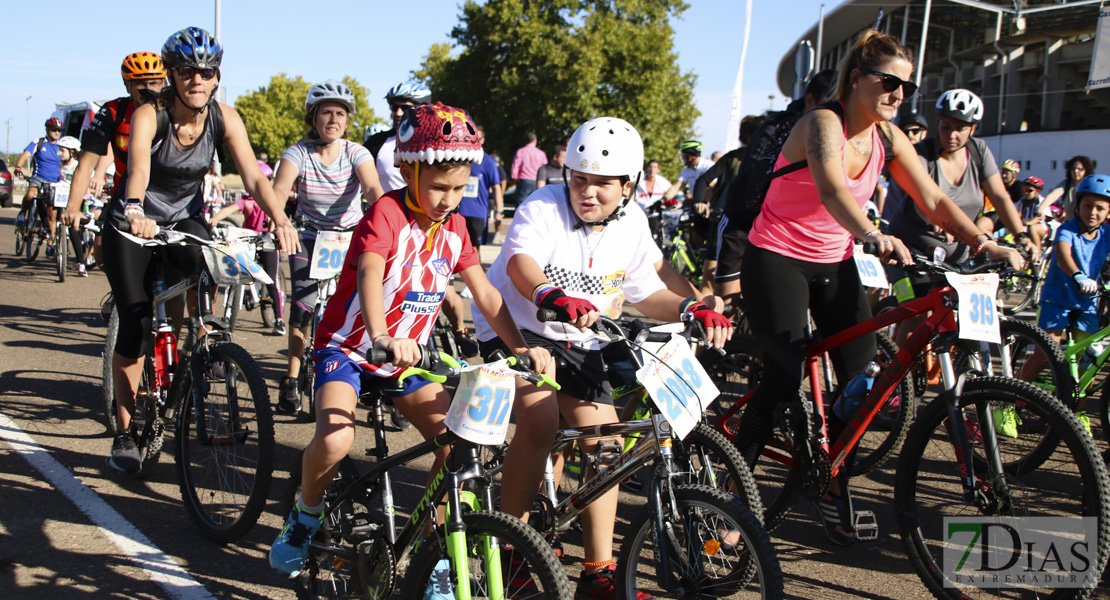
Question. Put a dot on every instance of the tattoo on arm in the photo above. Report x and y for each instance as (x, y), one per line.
(822, 146)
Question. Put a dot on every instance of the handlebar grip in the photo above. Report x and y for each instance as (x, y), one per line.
(872, 248)
(658, 336)
(377, 356)
(124, 226)
(546, 314)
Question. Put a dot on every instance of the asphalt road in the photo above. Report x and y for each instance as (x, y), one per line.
(70, 527)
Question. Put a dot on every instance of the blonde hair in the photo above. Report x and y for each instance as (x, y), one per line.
(871, 50)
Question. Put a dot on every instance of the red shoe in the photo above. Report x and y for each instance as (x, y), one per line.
(600, 585)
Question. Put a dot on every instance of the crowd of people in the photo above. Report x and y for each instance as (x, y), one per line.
(579, 244)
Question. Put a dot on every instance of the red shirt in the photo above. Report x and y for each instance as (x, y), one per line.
(415, 282)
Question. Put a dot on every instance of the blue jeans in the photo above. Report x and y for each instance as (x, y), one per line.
(524, 188)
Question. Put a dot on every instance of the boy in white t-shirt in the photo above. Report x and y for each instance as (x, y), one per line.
(572, 249)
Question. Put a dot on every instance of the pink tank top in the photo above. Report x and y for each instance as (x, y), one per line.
(794, 223)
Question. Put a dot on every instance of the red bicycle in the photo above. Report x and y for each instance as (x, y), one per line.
(986, 446)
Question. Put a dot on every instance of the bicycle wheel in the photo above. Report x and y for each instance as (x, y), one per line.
(146, 422)
(107, 389)
(225, 442)
(716, 546)
(887, 431)
(528, 564)
(19, 239)
(735, 374)
(306, 382)
(706, 457)
(34, 238)
(1025, 340)
(1017, 292)
(61, 249)
(1072, 482)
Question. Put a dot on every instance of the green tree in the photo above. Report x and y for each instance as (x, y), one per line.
(274, 114)
(547, 66)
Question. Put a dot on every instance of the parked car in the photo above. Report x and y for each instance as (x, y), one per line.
(5, 185)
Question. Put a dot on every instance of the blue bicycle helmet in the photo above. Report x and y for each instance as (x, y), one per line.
(192, 47)
(1096, 184)
(409, 91)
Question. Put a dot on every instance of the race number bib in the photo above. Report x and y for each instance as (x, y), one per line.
(871, 272)
(471, 190)
(678, 385)
(232, 263)
(483, 403)
(979, 311)
(61, 194)
(329, 253)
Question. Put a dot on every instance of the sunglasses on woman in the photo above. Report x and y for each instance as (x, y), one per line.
(892, 82)
(187, 73)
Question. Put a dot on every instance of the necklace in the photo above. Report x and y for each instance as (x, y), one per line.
(861, 147)
(181, 129)
(590, 263)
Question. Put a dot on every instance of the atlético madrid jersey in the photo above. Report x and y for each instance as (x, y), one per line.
(416, 278)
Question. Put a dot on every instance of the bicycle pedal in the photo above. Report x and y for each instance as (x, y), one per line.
(866, 526)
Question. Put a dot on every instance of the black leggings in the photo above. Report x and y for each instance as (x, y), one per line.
(777, 292)
(128, 266)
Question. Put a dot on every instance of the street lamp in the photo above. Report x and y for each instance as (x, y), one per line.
(771, 100)
(28, 116)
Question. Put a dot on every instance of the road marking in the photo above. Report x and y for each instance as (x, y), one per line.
(159, 566)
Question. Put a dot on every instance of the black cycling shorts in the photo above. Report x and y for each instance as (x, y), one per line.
(581, 373)
(732, 241)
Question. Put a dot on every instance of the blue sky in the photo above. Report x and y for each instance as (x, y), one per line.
(71, 51)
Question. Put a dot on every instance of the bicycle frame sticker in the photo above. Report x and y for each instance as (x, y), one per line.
(480, 411)
(329, 253)
(61, 194)
(232, 263)
(871, 271)
(678, 385)
(978, 313)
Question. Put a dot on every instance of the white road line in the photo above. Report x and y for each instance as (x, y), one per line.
(161, 568)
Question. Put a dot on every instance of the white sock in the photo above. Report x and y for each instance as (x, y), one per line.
(309, 509)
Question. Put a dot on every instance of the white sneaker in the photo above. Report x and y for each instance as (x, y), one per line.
(466, 293)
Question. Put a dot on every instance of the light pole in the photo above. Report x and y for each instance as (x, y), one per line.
(28, 116)
(771, 101)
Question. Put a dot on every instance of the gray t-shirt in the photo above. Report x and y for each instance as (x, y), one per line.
(912, 226)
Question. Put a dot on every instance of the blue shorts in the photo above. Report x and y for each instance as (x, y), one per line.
(1056, 317)
(332, 364)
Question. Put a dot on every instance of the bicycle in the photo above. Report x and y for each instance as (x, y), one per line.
(987, 465)
(357, 553)
(702, 541)
(213, 395)
(32, 234)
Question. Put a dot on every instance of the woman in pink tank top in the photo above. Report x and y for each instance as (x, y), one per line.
(800, 257)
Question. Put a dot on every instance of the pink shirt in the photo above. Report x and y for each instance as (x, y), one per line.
(527, 163)
(794, 222)
(253, 217)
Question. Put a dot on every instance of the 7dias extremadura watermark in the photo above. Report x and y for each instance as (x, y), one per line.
(1020, 552)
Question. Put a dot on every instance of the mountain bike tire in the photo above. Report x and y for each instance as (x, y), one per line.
(708, 458)
(525, 557)
(34, 238)
(61, 249)
(146, 421)
(1072, 482)
(701, 524)
(19, 240)
(107, 389)
(224, 468)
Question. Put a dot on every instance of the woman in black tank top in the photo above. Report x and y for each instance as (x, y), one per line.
(171, 147)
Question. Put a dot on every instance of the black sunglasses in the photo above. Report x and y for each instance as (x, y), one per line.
(891, 82)
(187, 73)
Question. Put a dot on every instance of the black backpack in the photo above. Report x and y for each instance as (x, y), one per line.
(747, 191)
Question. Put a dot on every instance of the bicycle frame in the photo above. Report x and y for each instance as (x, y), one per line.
(1073, 350)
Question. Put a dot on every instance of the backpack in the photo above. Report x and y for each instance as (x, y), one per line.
(747, 191)
(163, 127)
(38, 148)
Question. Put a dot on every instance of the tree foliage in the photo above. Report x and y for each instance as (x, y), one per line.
(547, 66)
(274, 114)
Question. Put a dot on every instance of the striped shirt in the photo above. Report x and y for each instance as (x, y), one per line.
(328, 195)
(415, 282)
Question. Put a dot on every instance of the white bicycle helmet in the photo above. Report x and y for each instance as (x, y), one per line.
(960, 104)
(610, 147)
(70, 142)
(410, 91)
(607, 146)
(330, 91)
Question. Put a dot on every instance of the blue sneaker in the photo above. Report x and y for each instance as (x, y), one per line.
(439, 586)
(291, 546)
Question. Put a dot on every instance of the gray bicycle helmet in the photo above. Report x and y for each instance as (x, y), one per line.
(962, 105)
(409, 91)
(330, 91)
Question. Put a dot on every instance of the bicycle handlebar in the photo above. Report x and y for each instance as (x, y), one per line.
(616, 330)
(440, 366)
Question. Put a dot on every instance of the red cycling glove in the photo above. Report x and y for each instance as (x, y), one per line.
(567, 307)
(708, 317)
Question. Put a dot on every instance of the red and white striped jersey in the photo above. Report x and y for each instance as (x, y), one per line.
(415, 279)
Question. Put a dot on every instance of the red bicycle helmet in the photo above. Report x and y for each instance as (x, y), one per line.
(437, 132)
(54, 123)
(1034, 181)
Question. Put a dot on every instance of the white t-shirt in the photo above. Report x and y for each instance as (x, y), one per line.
(690, 176)
(646, 199)
(605, 267)
(388, 174)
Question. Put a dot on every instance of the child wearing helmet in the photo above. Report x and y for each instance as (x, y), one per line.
(581, 250)
(394, 277)
(1069, 298)
(1029, 205)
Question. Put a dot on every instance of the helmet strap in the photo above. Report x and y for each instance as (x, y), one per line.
(615, 215)
(414, 206)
